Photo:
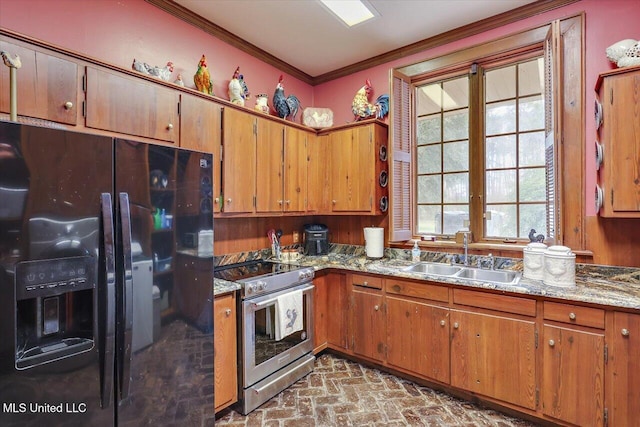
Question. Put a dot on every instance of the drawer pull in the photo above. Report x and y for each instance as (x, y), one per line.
(456, 325)
(625, 332)
(68, 105)
(442, 323)
(376, 307)
(552, 343)
(572, 316)
(227, 312)
(365, 283)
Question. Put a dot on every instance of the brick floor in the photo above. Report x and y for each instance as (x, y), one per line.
(340, 392)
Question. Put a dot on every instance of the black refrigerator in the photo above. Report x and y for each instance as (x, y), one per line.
(106, 311)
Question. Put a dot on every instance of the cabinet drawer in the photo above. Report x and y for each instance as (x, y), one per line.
(417, 290)
(574, 314)
(366, 281)
(507, 304)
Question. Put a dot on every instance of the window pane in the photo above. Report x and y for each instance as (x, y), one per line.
(501, 118)
(454, 217)
(429, 189)
(500, 84)
(428, 129)
(457, 93)
(456, 188)
(456, 156)
(429, 219)
(531, 113)
(500, 152)
(531, 77)
(502, 222)
(428, 99)
(532, 216)
(532, 185)
(531, 149)
(456, 125)
(429, 159)
(501, 186)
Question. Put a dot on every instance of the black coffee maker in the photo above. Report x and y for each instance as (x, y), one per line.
(316, 239)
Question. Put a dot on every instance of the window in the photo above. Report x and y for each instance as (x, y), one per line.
(480, 130)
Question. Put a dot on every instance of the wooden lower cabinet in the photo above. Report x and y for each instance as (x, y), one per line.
(331, 303)
(368, 323)
(418, 337)
(225, 363)
(495, 356)
(624, 376)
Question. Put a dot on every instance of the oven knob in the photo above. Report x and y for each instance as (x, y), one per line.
(251, 288)
(261, 286)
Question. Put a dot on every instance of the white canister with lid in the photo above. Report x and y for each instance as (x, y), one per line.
(559, 267)
(533, 260)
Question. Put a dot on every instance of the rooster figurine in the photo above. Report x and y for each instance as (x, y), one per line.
(361, 107)
(236, 91)
(163, 73)
(285, 107)
(202, 79)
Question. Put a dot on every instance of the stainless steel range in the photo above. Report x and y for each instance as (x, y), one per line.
(276, 328)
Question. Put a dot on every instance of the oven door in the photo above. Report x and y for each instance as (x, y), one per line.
(262, 353)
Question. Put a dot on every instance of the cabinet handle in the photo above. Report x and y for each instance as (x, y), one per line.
(334, 201)
(288, 202)
(572, 316)
(68, 105)
(365, 283)
(442, 323)
(216, 200)
(625, 332)
(456, 325)
(169, 126)
(280, 202)
(376, 307)
(552, 343)
(227, 312)
(228, 200)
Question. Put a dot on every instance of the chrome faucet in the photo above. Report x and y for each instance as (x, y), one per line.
(490, 259)
(466, 248)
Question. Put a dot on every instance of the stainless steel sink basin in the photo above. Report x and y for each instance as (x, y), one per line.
(434, 268)
(496, 276)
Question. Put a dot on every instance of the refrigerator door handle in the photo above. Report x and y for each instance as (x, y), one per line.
(107, 288)
(126, 308)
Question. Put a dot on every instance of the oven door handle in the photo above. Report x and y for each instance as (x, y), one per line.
(258, 305)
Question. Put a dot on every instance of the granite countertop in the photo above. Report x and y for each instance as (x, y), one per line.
(604, 285)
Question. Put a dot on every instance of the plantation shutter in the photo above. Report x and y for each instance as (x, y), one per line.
(553, 67)
(400, 179)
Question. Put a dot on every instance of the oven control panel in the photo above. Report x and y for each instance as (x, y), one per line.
(276, 282)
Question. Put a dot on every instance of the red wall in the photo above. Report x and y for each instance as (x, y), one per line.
(116, 31)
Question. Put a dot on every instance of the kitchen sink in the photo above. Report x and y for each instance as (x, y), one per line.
(434, 268)
(463, 272)
(496, 276)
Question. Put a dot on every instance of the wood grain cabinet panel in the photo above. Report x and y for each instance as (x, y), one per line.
(225, 350)
(123, 104)
(47, 85)
(239, 161)
(494, 356)
(368, 323)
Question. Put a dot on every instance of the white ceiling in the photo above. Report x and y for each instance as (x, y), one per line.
(304, 34)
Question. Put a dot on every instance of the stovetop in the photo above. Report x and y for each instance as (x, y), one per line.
(263, 277)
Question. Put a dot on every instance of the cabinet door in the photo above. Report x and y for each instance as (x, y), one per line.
(494, 356)
(337, 311)
(295, 170)
(224, 359)
(201, 130)
(368, 323)
(47, 85)
(319, 174)
(239, 161)
(572, 375)
(352, 170)
(621, 107)
(624, 376)
(131, 106)
(425, 353)
(269, 176)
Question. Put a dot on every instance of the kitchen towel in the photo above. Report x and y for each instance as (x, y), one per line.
(288, 314)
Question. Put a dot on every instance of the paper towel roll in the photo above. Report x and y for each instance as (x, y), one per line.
(374, 242)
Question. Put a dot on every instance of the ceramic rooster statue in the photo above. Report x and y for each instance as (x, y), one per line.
(10, 62)
(535, 238)
(163, 73)
(285, 107)
(237, 93)
(202, 79)
(361, 107)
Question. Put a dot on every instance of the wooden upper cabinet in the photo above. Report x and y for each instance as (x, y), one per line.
(619, 96)
(295, 169)
(47, 85)
(269, 168)
(239, 161)
(319, 174)
(133, 106)
(201, 130)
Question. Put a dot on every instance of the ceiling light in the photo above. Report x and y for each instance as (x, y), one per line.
(351, 12)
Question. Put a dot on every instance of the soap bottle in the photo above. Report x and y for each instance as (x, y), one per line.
(415, 252)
